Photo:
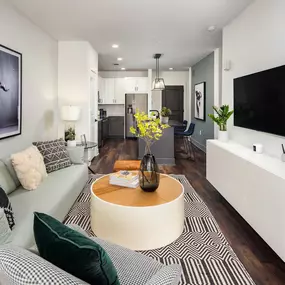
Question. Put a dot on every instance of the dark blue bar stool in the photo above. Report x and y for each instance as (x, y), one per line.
(187, 140)
(181, 128)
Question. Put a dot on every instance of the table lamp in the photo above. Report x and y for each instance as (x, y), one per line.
(70, 114)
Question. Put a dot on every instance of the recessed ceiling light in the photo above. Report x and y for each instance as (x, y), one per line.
(119, 58)
(123, 68)
(170, 68)
(211, 28)
(115, 46)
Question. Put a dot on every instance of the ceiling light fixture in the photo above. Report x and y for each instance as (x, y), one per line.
(158, 83)
(211, 28)
(170, 68)
(123, 68)
(119, 58)
(115, 46)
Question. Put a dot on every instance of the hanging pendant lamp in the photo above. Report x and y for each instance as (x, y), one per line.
(158, 83)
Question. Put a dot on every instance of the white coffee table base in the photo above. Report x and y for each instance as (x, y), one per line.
(138, 228)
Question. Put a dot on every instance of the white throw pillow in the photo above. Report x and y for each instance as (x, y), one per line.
(30, 168)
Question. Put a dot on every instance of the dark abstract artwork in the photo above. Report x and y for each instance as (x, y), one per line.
(200, 99)
(10, 92)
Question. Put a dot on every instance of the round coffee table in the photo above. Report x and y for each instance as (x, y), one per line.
(135, 219)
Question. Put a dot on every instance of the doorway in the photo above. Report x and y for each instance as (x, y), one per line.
(173, 98)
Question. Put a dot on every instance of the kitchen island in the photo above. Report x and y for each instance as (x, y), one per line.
(163, 150)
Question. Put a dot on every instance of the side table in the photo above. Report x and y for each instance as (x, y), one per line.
(87, 147)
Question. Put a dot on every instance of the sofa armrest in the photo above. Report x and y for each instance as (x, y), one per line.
(77, 228)
(168, 275)
(133, 267)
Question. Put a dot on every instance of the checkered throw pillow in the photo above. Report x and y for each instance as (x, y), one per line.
(6, 205)
(55, 154)
(23, 267)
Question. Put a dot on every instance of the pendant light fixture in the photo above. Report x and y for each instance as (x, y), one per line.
(158, 83)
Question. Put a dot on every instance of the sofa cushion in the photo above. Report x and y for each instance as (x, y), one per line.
(30, 168)
(60, 245)
(54, 196)
(23, 267)
(8, 163)
(55, 154)
(7, 208)
(6, 180)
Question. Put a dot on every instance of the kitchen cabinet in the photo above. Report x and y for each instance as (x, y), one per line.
(120, 90)
(113, 90)
(116, 127)
(136, 84)
(100, 138)
(109, 92)
(105, 129)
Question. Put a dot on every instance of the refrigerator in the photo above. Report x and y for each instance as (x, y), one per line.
(134, 102)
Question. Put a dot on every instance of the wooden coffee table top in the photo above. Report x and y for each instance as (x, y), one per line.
(169, 189)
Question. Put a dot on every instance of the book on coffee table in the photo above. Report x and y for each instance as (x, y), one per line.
(125, 178)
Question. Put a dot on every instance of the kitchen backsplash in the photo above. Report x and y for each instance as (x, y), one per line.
(113, 110)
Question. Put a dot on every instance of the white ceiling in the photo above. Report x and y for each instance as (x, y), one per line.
(176, 28)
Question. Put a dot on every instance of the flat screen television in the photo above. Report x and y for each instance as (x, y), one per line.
(259, 101)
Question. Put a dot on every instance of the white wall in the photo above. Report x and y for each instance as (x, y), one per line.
(76, 61)
(254, 42)
(39, 50)
(173, 78)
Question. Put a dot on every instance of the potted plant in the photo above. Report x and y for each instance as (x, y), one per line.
(165, 113)
(223, 113)
(150, 130)
(70, 137)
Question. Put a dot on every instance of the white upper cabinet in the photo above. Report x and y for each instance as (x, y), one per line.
(136, 84)
(113, 90)
(142, 84)
(120, 90)
(109, 96)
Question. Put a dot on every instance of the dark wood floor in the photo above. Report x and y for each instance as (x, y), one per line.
(262, 263)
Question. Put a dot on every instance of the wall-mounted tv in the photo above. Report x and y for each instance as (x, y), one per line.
(259, 101)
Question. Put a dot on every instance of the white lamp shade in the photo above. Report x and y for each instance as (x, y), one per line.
(70, 113)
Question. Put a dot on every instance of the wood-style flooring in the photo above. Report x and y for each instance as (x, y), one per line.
(262, 263)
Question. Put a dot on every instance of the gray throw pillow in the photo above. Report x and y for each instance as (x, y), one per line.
(24, 267)
(55, 154)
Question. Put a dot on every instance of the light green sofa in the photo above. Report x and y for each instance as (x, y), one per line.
(54, 196)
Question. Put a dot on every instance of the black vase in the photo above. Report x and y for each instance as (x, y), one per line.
(149, 173)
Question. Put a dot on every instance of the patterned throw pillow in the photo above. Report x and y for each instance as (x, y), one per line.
(55, 154)
(6, 205)
(23, 267)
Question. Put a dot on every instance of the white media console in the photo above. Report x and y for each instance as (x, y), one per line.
(254, 184)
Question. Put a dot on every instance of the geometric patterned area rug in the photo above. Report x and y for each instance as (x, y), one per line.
(202, 250)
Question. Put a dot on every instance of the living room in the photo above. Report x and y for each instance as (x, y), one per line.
(207, 215)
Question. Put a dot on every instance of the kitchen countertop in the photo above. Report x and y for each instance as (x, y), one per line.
(174, 123)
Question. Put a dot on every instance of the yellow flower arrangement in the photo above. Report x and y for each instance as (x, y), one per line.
(148, 129)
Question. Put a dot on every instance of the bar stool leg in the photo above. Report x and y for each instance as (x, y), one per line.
(191, 149)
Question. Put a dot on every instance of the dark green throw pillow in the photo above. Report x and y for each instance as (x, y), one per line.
(73, 252)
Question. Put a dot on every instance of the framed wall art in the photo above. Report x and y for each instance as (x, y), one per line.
(10, 92)
(200, 101)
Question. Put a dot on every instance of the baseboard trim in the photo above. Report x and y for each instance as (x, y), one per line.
(199, 145)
